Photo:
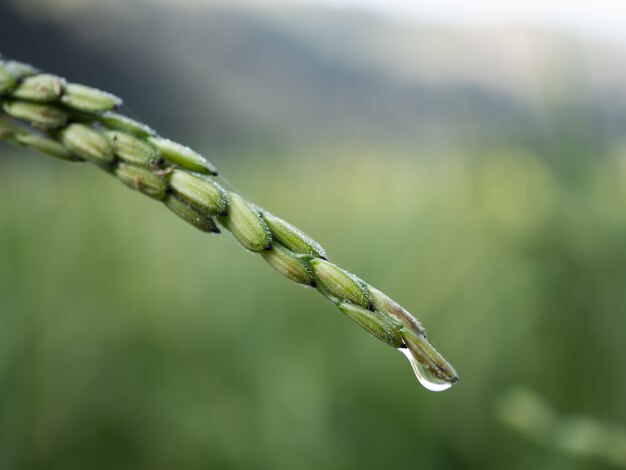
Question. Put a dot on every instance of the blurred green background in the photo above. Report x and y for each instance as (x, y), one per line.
(477, 176)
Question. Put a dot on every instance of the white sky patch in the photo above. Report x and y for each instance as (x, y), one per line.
(600, 19)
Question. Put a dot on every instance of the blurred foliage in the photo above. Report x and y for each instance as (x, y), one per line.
(528, 413)
(129, 340)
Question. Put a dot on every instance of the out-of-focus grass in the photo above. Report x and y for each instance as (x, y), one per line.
(129, 340)
(528, 413)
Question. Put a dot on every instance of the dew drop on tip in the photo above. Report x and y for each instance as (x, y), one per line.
(425, 377)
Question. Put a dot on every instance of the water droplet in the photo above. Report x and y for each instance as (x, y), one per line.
(425, 377)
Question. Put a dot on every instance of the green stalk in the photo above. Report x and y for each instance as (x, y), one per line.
(78, 123)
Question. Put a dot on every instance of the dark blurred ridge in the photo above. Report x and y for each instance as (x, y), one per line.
(236, 75)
